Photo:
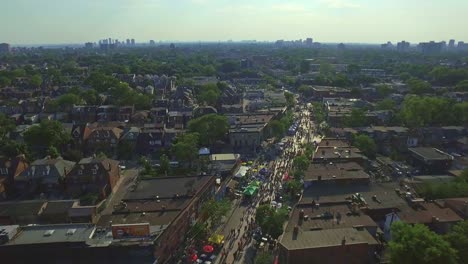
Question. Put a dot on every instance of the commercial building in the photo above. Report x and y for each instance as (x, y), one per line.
(4, 48)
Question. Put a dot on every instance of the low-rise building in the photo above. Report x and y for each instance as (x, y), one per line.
(430, 160)
(335, 173)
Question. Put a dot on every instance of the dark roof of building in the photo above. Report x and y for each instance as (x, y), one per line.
(154, 219)
(333, 142)
(21, 208)
(57, 207)
(384, 192)
(326, 238)
(427, 213)
(47, 168)
(168, 187)
(335, 171)
(459, 205)
(328, 217)
(430, 153)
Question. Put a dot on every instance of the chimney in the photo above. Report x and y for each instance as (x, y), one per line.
(109, 167)
(301, 215)
(295, 231)
(343, 241)
(435, 219)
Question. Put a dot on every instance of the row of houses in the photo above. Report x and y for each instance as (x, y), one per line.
(59, 178)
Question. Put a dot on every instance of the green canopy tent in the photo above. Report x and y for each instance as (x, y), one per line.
(250, 190)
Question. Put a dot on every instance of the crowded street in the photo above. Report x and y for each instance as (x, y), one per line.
(239, 246)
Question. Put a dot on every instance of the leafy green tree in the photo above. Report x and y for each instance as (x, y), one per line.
(45, 135)
(384, 90)
(264, 258)
(294, 186)
(304, 66)
(11, 149)
(4, 81)
(305, 90)
(301, 163)
(164, 164)
(353, 69)
(290, 99)
(198, 232)
(53, 152)
(271, 221)
(185, 147)
(67, 101)
(210, 128)
(417, 244)
(417, 86)
(213, 211)
(91, 97)
(386, 104)
(458, 239)
(366, 144)
(73, 155)
(276, 128)
(35, 80)
(357, 118)
(6, 126)
(462, 86)
(326, 69)
(209, 94)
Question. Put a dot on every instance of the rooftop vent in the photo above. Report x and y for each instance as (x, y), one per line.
(48, 233)
(71, 231)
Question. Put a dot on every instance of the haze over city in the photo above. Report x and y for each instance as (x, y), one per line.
(363, 21)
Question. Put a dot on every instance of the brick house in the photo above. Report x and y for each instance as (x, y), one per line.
(93, 175)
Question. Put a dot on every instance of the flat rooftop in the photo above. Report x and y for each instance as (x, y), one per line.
(329, 194)
(335, 171)
(48, 234)
(427, 154)
(168, 187)
(328, 217)
(337, 153)
(154, 219)
(326, 238)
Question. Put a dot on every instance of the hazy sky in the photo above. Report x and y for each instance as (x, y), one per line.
(372, 21)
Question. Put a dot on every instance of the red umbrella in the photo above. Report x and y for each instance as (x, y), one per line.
(208, 248)
(194, 257)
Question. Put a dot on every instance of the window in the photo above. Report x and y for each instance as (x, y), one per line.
(80, 172)
(94, 171)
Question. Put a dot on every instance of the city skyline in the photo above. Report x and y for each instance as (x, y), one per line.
(352, 21)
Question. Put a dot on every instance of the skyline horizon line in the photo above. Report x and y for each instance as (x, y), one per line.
(222, 41)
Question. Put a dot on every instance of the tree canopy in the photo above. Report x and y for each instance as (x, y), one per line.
(209, 94)
(185, 147)
(211, 127)
(357, 118)
(417, 244)
(271, 221)
(46, 135)
(458, 239)
(366, 144)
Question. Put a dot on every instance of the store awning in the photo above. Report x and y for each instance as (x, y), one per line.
(216, 239)
(241, 172)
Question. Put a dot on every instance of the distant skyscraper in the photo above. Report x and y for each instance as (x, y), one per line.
(451, 44)
(89, 45)
(403, 46)
(431, 47)
(152, 42)
(309, 41)
(110, 41)
(128, 42)
(387, 45)
(133, 42)
(4, 48)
